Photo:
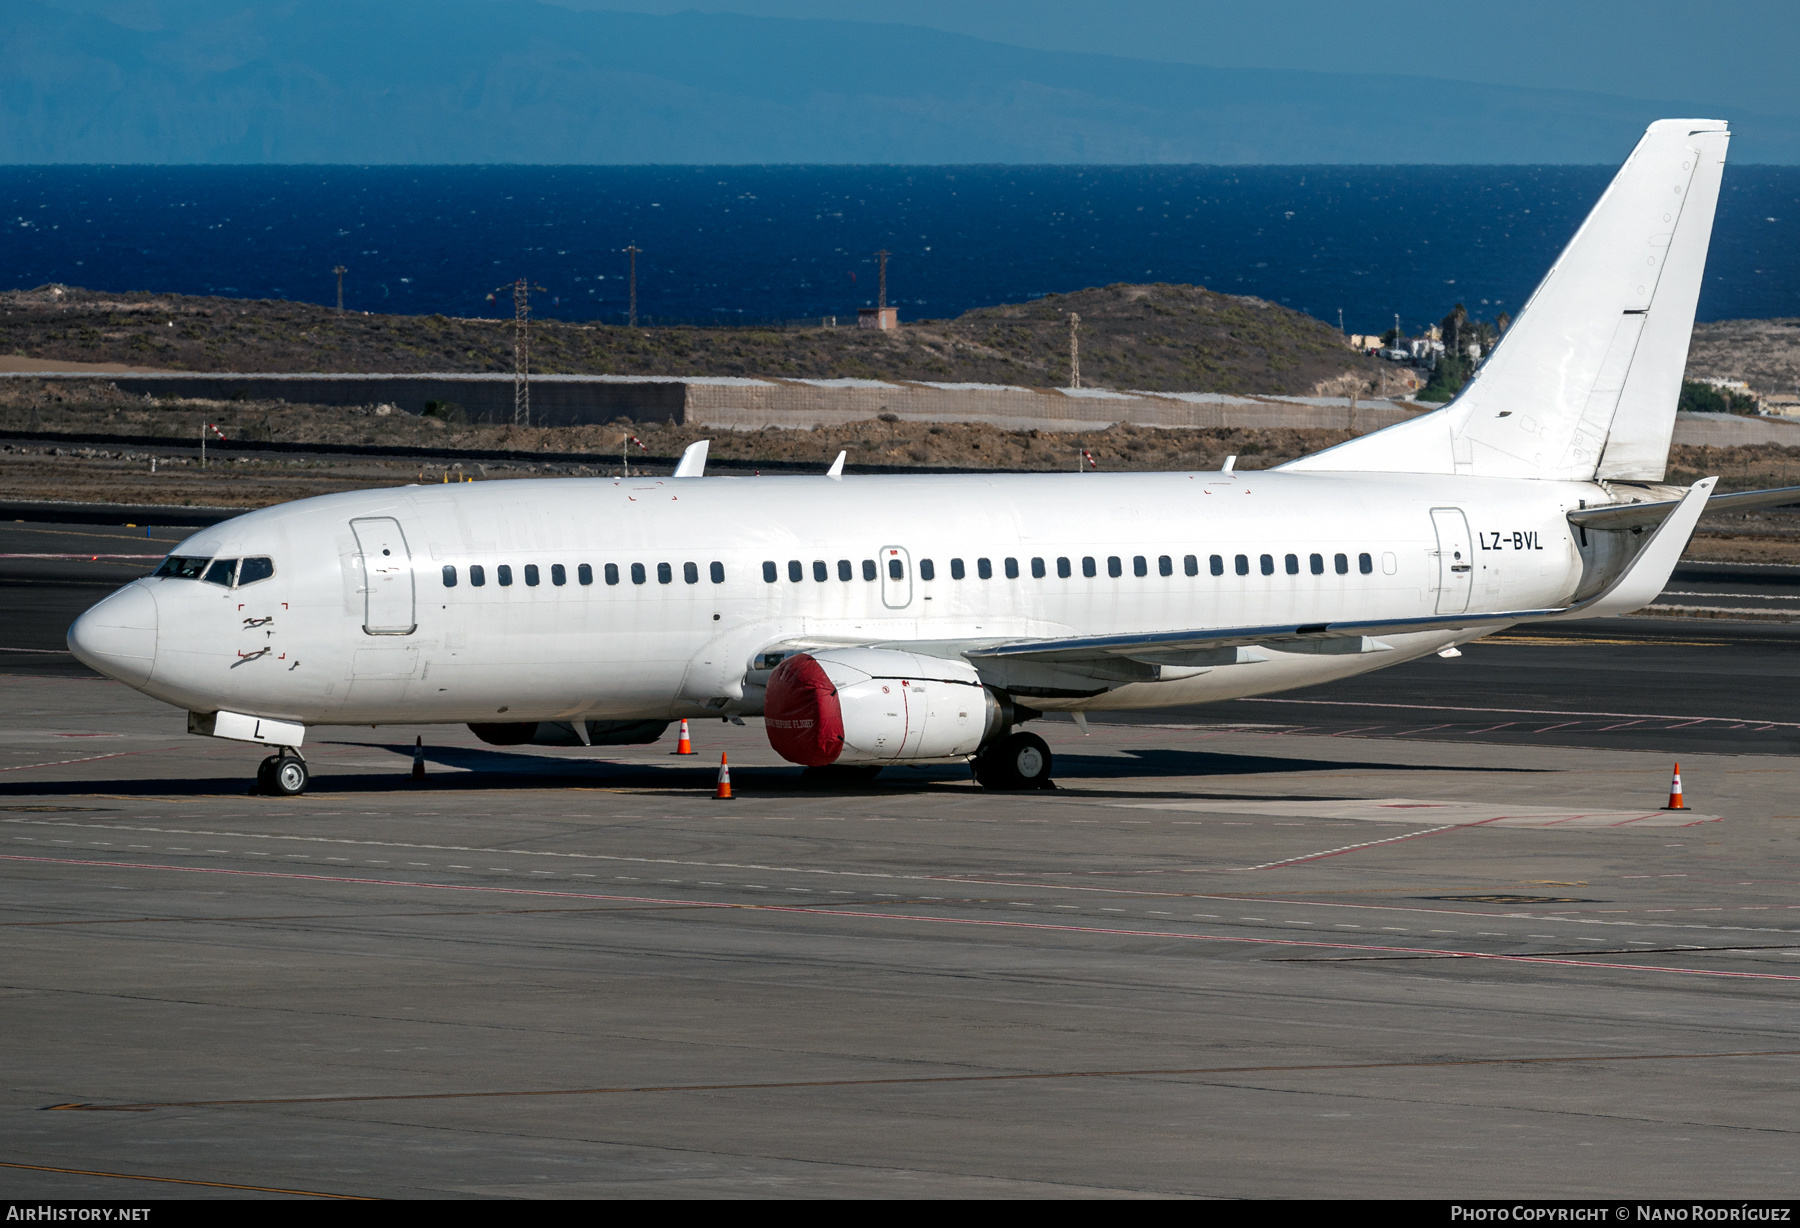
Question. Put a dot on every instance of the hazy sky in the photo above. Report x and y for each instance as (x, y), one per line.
(1743, 53)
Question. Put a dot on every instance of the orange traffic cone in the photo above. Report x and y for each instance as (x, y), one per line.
(723, 792)
(1675, 802)
(684, 747)
(418, 758)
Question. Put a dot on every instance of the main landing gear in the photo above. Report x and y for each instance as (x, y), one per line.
(282, 774)
(1017, 761)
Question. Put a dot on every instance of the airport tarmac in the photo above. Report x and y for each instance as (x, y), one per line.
(1241, 953)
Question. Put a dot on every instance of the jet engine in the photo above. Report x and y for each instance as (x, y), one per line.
(878, 705)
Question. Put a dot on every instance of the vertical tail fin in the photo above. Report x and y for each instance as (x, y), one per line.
(1585, 383)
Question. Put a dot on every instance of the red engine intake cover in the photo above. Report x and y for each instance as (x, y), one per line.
(801, 713)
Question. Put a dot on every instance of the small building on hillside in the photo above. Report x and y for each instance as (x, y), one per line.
(885, 318)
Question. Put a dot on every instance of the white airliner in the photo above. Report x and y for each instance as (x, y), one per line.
(885, 620)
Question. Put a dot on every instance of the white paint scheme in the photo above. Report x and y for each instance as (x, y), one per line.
(1586, 381)
(1463, 517)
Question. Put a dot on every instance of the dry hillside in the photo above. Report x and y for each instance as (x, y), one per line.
(1161, 337)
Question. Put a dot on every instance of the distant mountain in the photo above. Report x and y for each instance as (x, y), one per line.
(473, 81)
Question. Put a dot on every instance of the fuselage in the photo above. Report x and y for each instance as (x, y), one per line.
(649, 598)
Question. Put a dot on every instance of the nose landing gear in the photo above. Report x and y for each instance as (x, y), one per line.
(282, 775)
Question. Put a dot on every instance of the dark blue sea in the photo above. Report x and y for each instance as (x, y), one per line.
(740, 244)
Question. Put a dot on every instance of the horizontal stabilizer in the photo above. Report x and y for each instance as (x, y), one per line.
(1644, 515)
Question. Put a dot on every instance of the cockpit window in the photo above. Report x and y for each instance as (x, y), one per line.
(179, 568)
(252, 570)
(221, 572)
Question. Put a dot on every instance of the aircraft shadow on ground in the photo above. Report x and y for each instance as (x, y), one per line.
(486, 770)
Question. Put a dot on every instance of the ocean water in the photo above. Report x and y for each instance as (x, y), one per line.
(740, 244)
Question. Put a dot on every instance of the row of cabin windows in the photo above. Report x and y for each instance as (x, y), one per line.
(1065, 568)
(584, 574)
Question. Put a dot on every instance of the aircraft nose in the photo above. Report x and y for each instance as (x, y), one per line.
(118, 636)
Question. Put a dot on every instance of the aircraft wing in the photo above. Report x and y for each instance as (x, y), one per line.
(1039, 664)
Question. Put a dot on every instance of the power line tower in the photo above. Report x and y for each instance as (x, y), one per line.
(1074, 350)
(340, 271)
(882, 256)
(521, 296)
(633, 249)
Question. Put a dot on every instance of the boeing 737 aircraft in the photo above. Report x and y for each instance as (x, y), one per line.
(886, 620)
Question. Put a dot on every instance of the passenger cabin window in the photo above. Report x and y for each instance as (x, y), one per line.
(1088, 568)
(1317, 563)
(222, 572)
(477, 575)
(1242, 562)
(531, 575)
(612, 573)
(559, 575)
(1342, 563)
(690, 573)
(1037, 569)
(1365, 564)
(1012, 569)
(796, 573)
(503, 573)
(1268, 564)
(869, 570)
(846, 572)
(1165, 566)
(1140, 567)
(252, 570)
(1215, 563)
(665, 574)
(1062, 568)
(927, 571)
(718, 573)
(896, 569)
(449, 576)
(182, 568)
(1292, 562)
(584, 574)
(1114, 567)
(984, 569)
(821, 573)
(956, 569)
(638, 575)
(770, 574)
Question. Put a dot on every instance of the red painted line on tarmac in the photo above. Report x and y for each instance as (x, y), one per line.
(845, 913)
(26, 767)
